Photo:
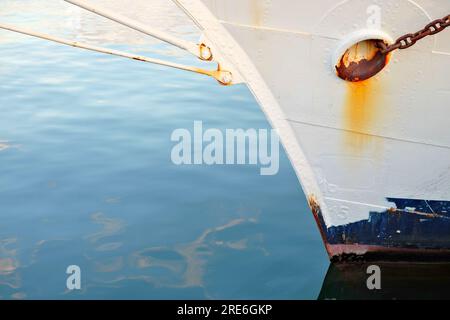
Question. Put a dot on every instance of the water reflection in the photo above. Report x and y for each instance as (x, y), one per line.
(398, 281)
(3, 145)
(173, 267)
(110, 227)
(93, 184)
(112, 264)
(10, 279)
(6, 145)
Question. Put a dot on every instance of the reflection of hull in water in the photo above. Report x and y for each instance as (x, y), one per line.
(398, 281)
(365, 153)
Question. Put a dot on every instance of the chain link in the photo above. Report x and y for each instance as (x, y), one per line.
(410, 39)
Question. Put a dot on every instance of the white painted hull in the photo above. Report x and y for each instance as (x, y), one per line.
(361, 151)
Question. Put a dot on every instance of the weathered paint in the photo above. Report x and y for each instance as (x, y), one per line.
(364, 108)
(413, 228)
(362, 102)
(318, 122)
(257, 12)
(362, 61)
(362, 98)
(205, 52)
(360, 105)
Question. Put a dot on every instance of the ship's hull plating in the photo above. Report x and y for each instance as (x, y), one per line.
(373, 158)
(394, 234)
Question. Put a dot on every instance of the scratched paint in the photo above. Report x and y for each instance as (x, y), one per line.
(411, 224)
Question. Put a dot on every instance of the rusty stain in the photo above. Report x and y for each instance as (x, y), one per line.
(360, 110)
(312, 202)
(424, 214)
(360, 105)
(224, 77)
(205, 52)
(364, 108)
(317, 213)
(257, 12)
(362, 61)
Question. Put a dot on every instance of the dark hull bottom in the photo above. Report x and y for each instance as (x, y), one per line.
(397, 234)
(359, 252)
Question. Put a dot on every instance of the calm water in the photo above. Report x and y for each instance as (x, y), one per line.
(86, 176)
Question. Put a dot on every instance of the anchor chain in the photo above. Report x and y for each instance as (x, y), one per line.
(410, 39)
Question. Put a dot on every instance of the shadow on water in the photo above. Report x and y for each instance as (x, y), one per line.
(399, 281)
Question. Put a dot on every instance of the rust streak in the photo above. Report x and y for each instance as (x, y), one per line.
(257, 12)
(360, 105)
(360, 111)
(316, 211)
(363, 107)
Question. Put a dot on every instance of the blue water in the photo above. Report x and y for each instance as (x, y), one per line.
(86, 179)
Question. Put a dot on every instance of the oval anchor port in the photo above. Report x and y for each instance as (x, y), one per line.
(362, 60)
(359, 56)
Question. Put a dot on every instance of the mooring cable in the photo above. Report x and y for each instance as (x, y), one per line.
(222, 76)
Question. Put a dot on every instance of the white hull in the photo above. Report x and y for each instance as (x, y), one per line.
(364, 150)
